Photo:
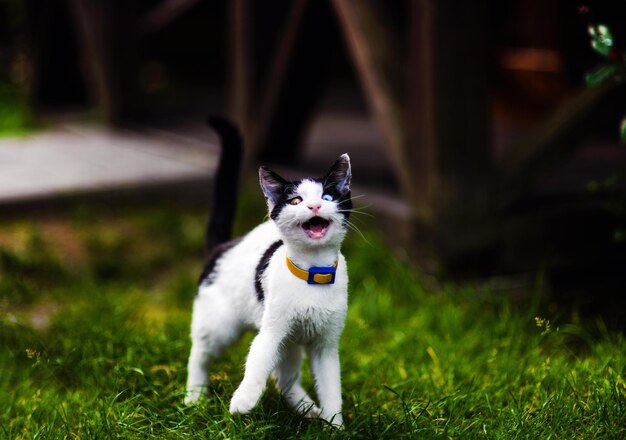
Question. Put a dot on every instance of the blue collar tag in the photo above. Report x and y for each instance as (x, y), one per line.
(322, 275)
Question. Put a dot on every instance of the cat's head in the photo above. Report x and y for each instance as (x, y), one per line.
(310, 212)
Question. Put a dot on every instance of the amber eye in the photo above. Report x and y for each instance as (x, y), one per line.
(295, 200)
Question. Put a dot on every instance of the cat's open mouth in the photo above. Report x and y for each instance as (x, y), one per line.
(316, 227)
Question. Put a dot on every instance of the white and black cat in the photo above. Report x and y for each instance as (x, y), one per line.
(286, 278)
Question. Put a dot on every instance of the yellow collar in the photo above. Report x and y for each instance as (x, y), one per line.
(315, 275)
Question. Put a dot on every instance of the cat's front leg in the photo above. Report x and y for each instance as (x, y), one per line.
(327, 373)
(263, 357)
(288, 379)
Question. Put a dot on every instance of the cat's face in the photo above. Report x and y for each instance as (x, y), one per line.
(310, 212)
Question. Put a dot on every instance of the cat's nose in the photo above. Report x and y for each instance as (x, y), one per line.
(315, 207)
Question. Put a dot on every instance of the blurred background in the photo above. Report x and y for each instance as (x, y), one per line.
(478, 147)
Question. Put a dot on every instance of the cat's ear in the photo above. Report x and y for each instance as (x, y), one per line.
(272, 184)
(339, 175)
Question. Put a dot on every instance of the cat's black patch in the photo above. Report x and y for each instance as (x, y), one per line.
(337, 184)
(344, 205)
(343, 199)
(283, 197)
(208, 272)
(262, 266)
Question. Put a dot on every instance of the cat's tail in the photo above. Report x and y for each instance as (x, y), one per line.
(225, 184)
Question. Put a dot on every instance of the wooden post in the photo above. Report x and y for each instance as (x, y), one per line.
(298, 74)
(277, 75)
(373, 48)
(419, 78)
(449, 116)
(52, 75)
(241, 65)
(107, 32)
(435, 115)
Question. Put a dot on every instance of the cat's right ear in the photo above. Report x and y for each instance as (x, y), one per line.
(272, 184)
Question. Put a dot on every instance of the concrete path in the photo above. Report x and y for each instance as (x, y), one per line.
(73, 159)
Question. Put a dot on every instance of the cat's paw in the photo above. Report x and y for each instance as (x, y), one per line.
(334, 421)
(309, 410)
(244, 399)
(193, 395)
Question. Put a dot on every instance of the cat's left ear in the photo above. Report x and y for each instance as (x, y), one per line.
(339, 175)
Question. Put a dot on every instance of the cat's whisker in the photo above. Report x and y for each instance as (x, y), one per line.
(366, 214)
(356, 211)
(357, 219)
(352, 226)
(358, 197)
(361, 206)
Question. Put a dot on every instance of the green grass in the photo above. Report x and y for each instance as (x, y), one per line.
(95, 309)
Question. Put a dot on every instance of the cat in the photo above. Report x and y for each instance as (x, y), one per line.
(286, 278)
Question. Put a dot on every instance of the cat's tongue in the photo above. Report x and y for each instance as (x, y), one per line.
(317, 231)
(316, 227)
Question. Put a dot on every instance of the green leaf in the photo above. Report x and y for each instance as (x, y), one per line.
(601, 39)
(622, 130)
(603, 73)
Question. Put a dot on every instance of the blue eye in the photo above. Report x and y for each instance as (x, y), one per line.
(327, 197)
